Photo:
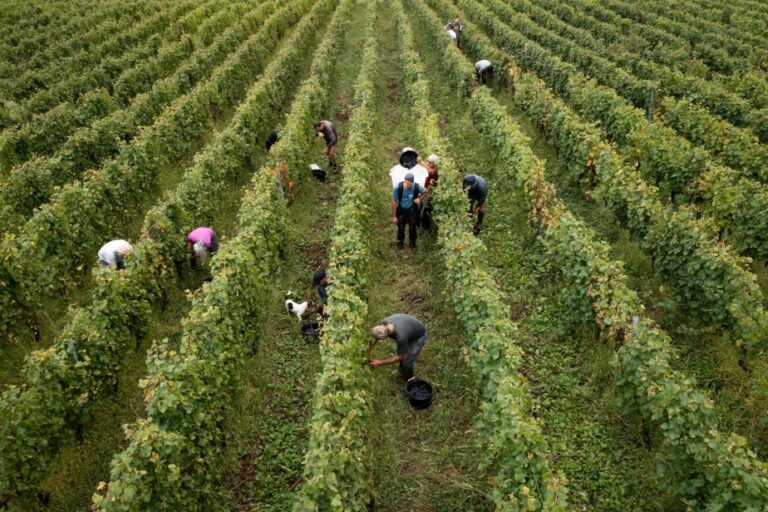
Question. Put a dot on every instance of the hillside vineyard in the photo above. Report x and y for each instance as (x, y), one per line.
(207, 304)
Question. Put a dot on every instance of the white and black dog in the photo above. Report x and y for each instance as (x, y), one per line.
(295, 308)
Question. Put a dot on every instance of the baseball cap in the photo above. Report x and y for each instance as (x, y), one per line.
(409, 177)
(317, 277)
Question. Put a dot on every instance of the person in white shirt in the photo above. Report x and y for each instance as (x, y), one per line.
(453, 27)
(483, 70)
(409, 162)
(112, 254)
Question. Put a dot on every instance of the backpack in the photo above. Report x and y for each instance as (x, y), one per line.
(401, 187)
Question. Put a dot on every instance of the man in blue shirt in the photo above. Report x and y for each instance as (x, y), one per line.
(405, 208)
(477, 192)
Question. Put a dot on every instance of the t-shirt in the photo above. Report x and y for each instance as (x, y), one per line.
(202, 234)
(483, 65)
(408, 330)
(113, 251)
(329, 133)
(398, 172)
(409, 194)
(479, 192)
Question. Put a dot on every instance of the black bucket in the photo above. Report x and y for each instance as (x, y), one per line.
(311, 330)
(408, 158)
(319, 174)
(419, 393)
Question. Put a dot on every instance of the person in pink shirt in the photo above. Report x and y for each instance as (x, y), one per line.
(202, 242)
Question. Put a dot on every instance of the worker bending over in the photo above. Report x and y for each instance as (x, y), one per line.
(201, 242)
(477, 192)
(409, 334)
(112, 254)
(327, 131)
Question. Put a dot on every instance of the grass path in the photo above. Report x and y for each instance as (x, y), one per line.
(270, 424)
(706, 351)
(605, 460)
(80, 466)
(422, 460)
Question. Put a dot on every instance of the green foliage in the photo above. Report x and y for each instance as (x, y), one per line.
(200, 31)
(44, 88)
(461, 71)
(45, 131)
(717, 99)
(41, 134)
(730, 48)
(34, 182)
(172, 455)
(696, 461)
(187, 392)
(57, 237)
(705, 274)
(511, 442)
(735, 147)
(657, 45)
(336, 465)
(636, 90)
(39, 34)
(121, 301)
(40, 90)
(80, 365)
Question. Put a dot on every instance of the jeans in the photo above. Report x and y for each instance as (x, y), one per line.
(480, 215)
(119, 262)
(408, 216)
(408, 364)
(425, 213)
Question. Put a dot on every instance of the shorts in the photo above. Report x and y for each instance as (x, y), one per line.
(329, 145)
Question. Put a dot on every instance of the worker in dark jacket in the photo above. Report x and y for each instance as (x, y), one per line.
(409, 334)
(271, 140)
(477, 192)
